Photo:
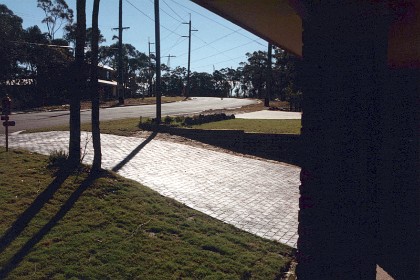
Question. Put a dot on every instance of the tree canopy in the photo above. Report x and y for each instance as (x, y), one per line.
(11, 33)
(57, 13)
(30, 53)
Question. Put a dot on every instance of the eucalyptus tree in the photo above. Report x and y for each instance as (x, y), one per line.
(70, 35)
(11, 32)
(285, 72)
(254, 72)
(48, 63)
(173, 80)
(202, 84)
(57, 13)
(233, 79)
(96, 131)
(78, 84)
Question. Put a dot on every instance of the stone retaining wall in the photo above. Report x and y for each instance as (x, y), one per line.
(280, 147)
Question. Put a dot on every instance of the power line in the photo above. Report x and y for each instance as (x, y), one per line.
(146, 15)
(222, 52)
(173, 32)
(208, 44)
(214, 48)
(214, 41)
(215, 63)
(173, 10)
(168, 14)
(179, 41)
(219, 23)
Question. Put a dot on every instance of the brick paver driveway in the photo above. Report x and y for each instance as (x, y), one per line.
(258, 196)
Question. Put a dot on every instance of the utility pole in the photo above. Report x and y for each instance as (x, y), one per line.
(120, 80)
(150, 69)
(269, 76)
(169, 60)
(157, 40)
(169, 64)
(187, 91)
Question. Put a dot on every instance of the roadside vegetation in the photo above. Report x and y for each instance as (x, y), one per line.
(109, 227)
(128, 127)
(256, 126)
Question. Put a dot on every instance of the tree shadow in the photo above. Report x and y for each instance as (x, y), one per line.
(134, 152)
(18, 257)
(19, 225)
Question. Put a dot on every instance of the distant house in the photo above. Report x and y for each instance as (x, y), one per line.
(20, 82)
(107, 81)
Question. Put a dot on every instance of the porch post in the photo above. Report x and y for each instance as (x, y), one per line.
(344, 58)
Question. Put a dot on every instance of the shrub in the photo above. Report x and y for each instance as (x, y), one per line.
(201, 119)
(167, 120)
(57, 159)
(179, 119)
(185, 121)
(188, 121)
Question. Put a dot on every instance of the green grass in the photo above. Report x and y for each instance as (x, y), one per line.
(257, 126)
(122, 127)
(127, 127)
(119, 229)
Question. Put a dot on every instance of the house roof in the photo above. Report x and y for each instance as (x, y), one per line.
(273, 20)
(19, 82)
(279, 22)
(100, 65)
(112, 83)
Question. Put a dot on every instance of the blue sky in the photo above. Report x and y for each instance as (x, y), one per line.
(217, 42)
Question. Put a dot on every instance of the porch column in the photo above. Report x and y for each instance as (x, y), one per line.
(344, 58)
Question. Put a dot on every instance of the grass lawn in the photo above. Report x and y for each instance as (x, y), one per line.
(123, 127)
(114, 228)
(258, 126)
(127, 127)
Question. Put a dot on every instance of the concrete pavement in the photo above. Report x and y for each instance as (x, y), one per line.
(270, 115)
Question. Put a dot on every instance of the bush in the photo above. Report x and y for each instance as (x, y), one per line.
(57, 159)
(188, 121)
(150, 124)
(167, 120)
(179, 119)
(202, 119)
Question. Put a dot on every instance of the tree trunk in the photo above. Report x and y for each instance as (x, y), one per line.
(96, 132)
(78, 87)
(269, 77)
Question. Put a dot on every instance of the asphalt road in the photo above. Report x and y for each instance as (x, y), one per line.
(196, 105)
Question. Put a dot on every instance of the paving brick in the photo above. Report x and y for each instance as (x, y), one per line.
(258, 196)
